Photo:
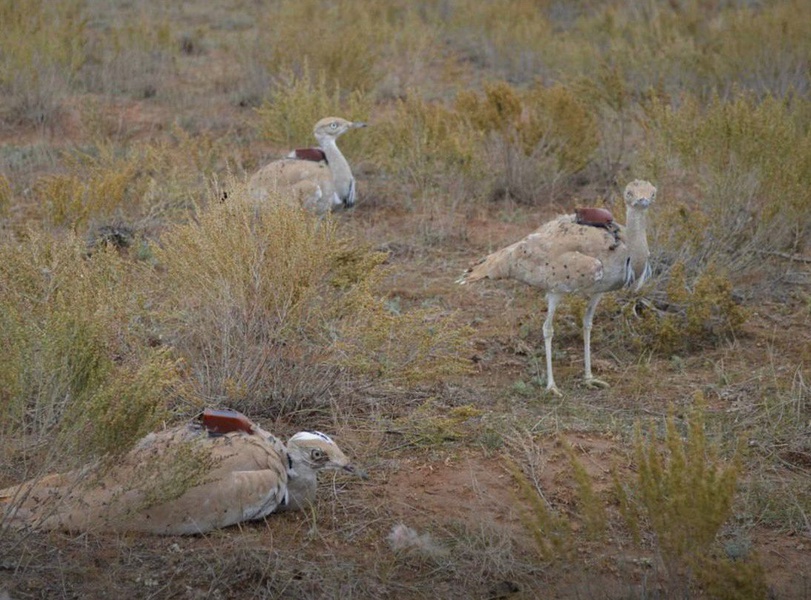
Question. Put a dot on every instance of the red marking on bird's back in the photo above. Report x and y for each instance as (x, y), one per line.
(225, 421)
(593, 216)
(311, 154)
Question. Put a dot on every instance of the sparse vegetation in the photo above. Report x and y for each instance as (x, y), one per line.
(138, 284)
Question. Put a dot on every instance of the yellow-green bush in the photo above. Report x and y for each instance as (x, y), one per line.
(529, 142)
(145, 183)
(683, 490)
(686, 313)
(424, 143)
(540, 123)
(268, 305)
(79, 371)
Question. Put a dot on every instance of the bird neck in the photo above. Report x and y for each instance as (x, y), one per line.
(301, 486)
(341, 173)
(637, 240)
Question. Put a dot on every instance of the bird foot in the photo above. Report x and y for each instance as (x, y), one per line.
(594, 383)
(553, 389)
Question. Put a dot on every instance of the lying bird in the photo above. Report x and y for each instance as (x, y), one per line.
(318, 178)
(218, 471)
(586, 253)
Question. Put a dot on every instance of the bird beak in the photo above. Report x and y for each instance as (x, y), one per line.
(358, 124)
(643, 202)
(356, 471)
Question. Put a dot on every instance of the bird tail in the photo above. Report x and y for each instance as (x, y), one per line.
(494, 266)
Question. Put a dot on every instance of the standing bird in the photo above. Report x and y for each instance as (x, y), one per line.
(184, 480)
(318, 178)
(578, 254)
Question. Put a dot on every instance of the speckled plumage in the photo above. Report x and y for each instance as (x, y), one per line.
(563, 257)
(319, 186)
(241, 477)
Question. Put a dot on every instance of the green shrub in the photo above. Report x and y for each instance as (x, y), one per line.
(686, 313)
(684, 490)
(79, 371)
(424, 144)
(146, 184)
(268, 305)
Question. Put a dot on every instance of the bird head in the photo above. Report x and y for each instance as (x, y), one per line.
(639, 194)
(333, 127)
(316, 451)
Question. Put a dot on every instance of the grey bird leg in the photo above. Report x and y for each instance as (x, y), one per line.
(590, 380)
(549, 331)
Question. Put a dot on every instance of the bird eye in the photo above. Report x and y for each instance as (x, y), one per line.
(333, 125)
(316, 454)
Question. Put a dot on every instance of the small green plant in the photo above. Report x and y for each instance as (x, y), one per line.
(550, 532)
(683, 491)
(424, 428)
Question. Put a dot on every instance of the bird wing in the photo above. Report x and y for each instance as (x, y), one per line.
(309, 183)
(555, 257)
(177, 481)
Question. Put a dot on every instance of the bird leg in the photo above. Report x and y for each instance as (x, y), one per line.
(549, 331)
(590, 380)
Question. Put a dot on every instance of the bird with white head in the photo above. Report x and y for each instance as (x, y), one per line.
(246, 474)
(564, 256)
(319, 185)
